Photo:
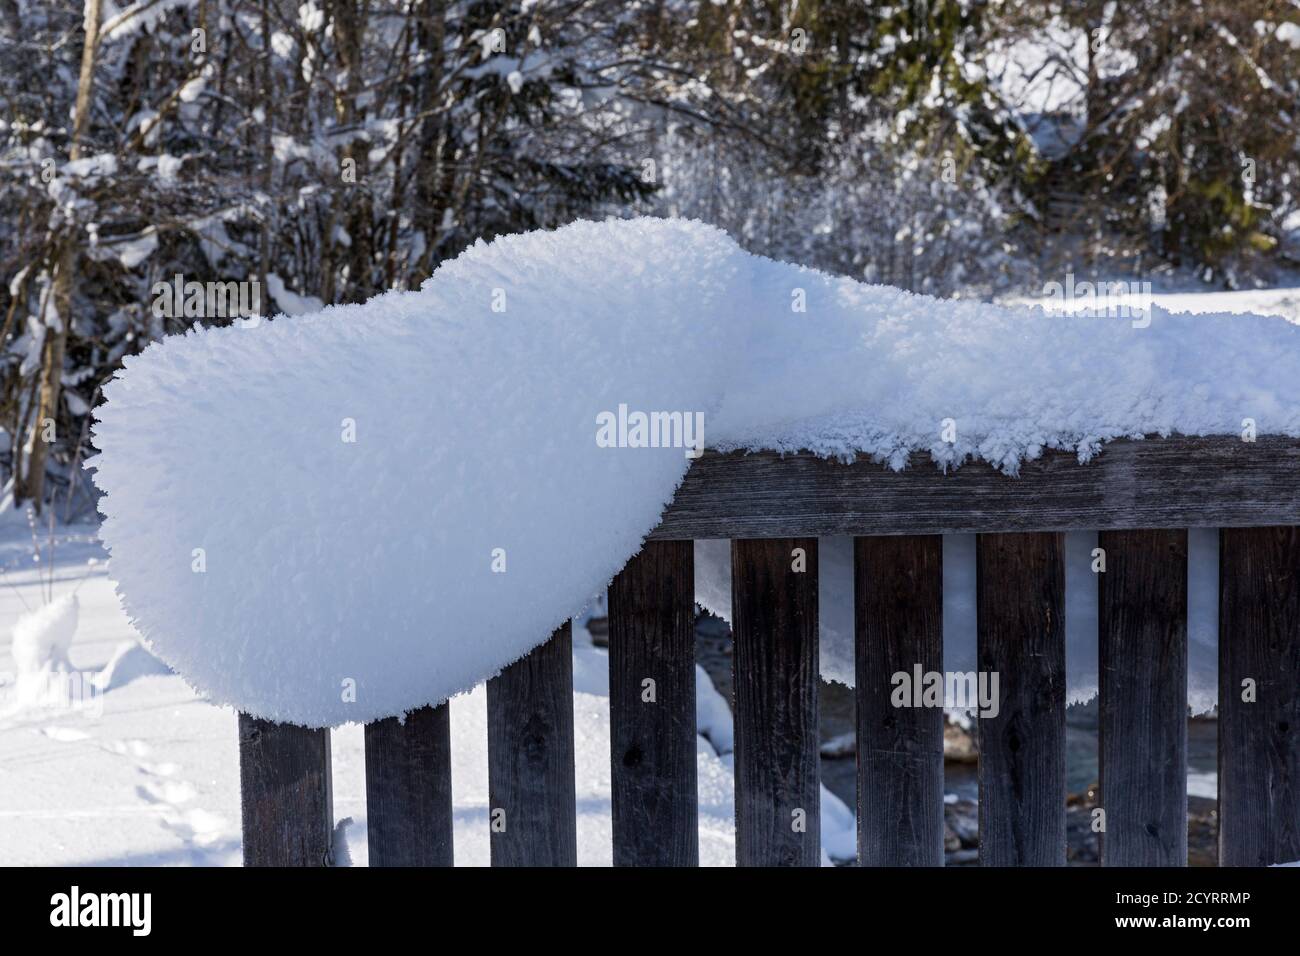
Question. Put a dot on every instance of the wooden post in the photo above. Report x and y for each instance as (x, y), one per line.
(1020, 598)
(1143, 732)
(1259, 696)
(774, 620)
(652, 708)
(284, 792)
(408, 789)
(898, 613)
(531, 790)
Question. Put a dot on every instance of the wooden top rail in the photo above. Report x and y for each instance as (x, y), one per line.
(1219, 482)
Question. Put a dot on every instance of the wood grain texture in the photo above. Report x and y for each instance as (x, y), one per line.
(1156, 483)
(1142, 652)
(285, 795)
(898, 612)
(530, 758)
(774, 623)
(408, 789)
(652, 727)
(1259, 742)
(1020, 600)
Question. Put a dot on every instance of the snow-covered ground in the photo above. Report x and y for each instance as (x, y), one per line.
(148, 772)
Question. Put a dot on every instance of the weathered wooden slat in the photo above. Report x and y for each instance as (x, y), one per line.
(408, 789)
(774, 623)
(898, 612)
(530, 758)
(1259, 739)
(1157, 483)
(285, 794)
(652, 708)
(1142, 654)
(1020, 600)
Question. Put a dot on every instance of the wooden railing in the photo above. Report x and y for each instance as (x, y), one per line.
(1141, 496)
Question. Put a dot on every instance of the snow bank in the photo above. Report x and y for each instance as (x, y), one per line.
(305, 516)
(41, 638)
(130, 661)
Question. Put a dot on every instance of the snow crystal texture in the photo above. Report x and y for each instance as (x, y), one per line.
(307, 516)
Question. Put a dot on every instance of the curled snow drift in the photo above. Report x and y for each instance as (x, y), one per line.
(307, 515)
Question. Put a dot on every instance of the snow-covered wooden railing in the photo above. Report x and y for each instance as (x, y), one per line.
(1141, 496)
